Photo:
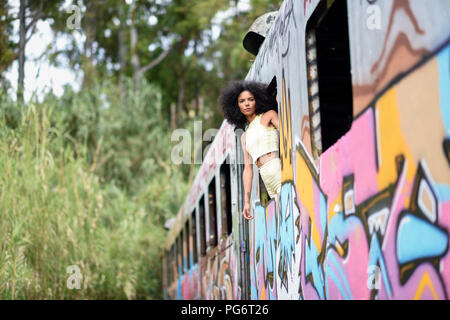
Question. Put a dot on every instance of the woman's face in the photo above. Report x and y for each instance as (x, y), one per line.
(247, 103)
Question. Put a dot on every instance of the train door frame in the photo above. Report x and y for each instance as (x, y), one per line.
(243, 232)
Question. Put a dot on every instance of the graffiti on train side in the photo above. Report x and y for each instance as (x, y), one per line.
(279, 40)
(406, 32)
(305, 3)
(285, 131)
(218, 280)
(220, 275)
(373, 221)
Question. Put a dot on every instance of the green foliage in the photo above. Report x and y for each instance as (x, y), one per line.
(7, 47)
(97, 204)
(86, 178)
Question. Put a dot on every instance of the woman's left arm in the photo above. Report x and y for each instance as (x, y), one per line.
(274, 119)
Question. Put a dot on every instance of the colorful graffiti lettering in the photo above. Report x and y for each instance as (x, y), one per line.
(373, 221)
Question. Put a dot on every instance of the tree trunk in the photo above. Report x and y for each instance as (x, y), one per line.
(138, 71)
(135, 62)
(88, 54)
(122, 51)
(173, 116)
(201, 106)
(196, 84)
(22, 42)
(181, 86)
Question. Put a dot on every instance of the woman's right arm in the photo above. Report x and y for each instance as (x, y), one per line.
(247, 178)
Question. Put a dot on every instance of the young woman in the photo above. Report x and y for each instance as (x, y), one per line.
(248, 106)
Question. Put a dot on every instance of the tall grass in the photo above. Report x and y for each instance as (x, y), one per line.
(56, 212)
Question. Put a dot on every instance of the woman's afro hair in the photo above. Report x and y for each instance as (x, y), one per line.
(228, 100)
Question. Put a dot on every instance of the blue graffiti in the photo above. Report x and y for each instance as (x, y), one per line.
(265, 235)
(339, 279)
(286, 239)
(444, 85)
(179, 295)
(312, 267)
(418, 239)
(443, 192)
(338, 230)
(376, 259)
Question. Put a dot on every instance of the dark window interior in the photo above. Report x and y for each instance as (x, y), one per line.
(225, 190)
(188, 245)
(179, 256)
(194, 236)
(183, 252)
(272, 89)
(333, 69)
(171, 262)
(201, 207)
(212, 213)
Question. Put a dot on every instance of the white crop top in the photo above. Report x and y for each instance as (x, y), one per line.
(260, 139)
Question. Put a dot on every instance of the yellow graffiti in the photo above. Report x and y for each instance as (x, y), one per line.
(287, 172)
(304, 185)
(263, 294)
(425, 282)
(392, 143)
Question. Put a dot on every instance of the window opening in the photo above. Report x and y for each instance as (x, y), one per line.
(201, 207)
(212, 213)
(188, 245)
(329, 74)
(225, 191)
(194, 236)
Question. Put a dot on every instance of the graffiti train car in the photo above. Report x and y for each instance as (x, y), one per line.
(363, 90)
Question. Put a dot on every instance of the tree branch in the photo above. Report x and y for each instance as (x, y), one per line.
(155, 62)
(37, 16)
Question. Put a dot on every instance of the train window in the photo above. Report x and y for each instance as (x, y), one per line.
(173, 262)
(272, 89)
(179, 257)
(188, 245)
(263, 194)
(329, 74)
(183, 251)
(201, 207)
(225, 195)
(168, 266)
(194, 236)
(212, 241)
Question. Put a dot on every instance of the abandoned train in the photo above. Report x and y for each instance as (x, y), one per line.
(363, 90)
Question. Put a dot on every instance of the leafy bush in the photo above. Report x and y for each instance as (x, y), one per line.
(80, 185)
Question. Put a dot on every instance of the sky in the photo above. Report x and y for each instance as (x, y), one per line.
(41, 77)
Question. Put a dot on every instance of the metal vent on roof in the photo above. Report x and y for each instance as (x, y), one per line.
(258, 32)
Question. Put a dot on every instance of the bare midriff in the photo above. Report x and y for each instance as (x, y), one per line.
(266, 158)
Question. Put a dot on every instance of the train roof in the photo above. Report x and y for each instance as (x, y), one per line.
(220, 147)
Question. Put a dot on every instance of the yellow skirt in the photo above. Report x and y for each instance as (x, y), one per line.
(271, 176)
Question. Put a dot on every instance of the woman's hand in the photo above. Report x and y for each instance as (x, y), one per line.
(246, 212)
